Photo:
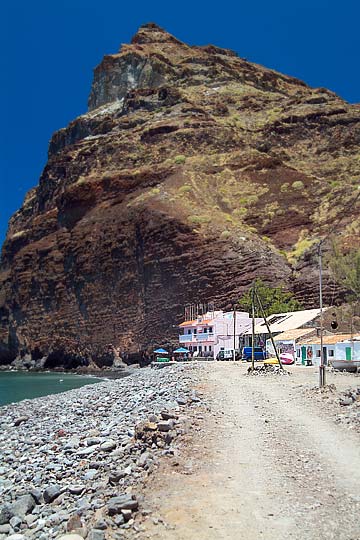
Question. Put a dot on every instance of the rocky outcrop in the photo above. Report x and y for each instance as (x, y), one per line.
(193, 172)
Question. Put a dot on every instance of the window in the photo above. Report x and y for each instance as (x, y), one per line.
(205, 348)
(318, 353)
(205, 330)
(189, 331)
(298, 353)
(331, 352)
(195, 331)
(210, 348)
(210, 329)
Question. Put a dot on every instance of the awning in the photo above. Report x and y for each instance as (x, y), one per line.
(181, 350)
(161, 351)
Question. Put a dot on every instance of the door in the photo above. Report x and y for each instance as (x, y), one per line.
(348, 353)
(303, 355)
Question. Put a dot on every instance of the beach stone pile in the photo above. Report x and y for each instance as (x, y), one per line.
(349, 402)
(266, 370)
(72, 464)
(350, 397)
(344, 405)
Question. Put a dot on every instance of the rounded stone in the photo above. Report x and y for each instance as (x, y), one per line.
(109, 445)
(76, 489)
(70, 537)
(51, 493)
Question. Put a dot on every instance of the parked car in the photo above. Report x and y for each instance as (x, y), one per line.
(228, 354)
(259, 354)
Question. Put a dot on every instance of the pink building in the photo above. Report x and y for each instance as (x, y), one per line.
(214, 331)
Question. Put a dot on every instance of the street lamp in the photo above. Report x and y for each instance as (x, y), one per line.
(351, 204)
(233, 303)
(322, 372)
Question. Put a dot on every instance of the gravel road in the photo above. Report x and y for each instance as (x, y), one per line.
(268, 460)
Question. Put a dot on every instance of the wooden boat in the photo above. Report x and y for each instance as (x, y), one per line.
(346, 365)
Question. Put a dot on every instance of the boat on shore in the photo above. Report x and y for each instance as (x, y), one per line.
(346, 365)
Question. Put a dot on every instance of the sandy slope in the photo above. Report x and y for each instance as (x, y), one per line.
(268, 462)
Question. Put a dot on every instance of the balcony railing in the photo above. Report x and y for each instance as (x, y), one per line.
(205, 336)
(186, 338)
(195, 338)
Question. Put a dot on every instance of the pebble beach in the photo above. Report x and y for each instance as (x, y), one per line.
(72, 464)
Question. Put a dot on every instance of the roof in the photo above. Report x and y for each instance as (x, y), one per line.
(294, 334)
(211, 317)
(195, 322)
(328, 340)
(282, 322)
(187, 323)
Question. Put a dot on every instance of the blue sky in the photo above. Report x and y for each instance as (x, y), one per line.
(49, 49)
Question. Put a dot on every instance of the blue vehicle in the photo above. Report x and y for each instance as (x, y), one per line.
(259, 354)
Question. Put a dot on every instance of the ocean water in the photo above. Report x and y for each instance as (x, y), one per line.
(15, 386)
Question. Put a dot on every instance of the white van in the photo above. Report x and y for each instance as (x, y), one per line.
(228, 354)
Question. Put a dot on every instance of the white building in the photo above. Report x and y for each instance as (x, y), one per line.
(286, 341)
(282, 322)
(214, 331)
(348, 349)
(337, 347)
(286, 324)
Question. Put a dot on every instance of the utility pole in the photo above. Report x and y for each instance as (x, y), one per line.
(234, 316)
(268, 328)
(253, 326)
(322, 373)
(344, 213)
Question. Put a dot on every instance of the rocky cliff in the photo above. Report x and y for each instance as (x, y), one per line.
(193, 172)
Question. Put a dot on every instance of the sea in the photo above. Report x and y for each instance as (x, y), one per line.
(15, 385)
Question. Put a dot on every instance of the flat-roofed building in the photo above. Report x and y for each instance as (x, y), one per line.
(209, 333)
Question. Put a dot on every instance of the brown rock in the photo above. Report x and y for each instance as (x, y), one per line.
(193, 172)
(75, 525)
(150, 426)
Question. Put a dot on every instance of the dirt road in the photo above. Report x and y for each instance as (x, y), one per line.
(268, 461)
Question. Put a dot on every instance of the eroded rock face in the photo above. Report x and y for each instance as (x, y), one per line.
(116, 76)
(133, 68)
(193, 172)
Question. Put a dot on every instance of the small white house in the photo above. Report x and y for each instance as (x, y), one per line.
(335, 347)
(348, 349)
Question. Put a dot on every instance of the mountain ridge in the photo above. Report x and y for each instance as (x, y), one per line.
(193, 172)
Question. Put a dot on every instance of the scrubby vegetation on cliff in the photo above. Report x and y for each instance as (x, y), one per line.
(194, 172)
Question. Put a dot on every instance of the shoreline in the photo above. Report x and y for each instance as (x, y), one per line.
(66, 461)
(101, 374)
(20, 385)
